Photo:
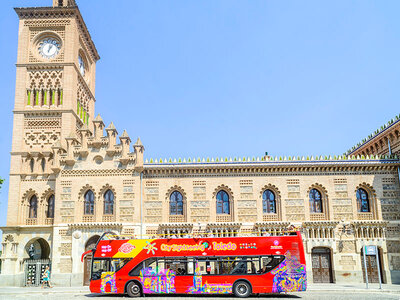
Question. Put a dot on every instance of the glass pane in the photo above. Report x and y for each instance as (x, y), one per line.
(179, 266)
(99, 266)
(253, 265)
(118, 263)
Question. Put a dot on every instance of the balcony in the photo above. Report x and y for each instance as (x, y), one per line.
(317, 217)
(270, 217)
(365, 216)
(31, 221)
(108, 218)
(177, 219)
(49, 221)
(88, 219)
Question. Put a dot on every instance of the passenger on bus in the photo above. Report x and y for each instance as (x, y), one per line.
(253, 268)
(262, 270)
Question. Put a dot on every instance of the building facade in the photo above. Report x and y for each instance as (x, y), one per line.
(72, 178)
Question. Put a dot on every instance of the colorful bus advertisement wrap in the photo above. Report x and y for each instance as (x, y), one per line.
(204, 265)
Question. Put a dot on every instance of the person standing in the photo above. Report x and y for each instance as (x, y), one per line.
(46, 277)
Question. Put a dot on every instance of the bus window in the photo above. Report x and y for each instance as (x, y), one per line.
(150, 263)
(207, 266)
(253, 265)
(118, 263)
(270, 262)
(136, 270)
(190, 265)
(178, 265)
(239, 266)
(99, 266)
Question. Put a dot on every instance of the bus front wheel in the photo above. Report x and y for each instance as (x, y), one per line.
(242, 289)
(133, 289)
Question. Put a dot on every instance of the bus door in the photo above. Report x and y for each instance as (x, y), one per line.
(182, 268)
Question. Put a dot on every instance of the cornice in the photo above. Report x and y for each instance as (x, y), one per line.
(385, 130)
(97, 172)
(42, 112)
(271, 167)
(60, 12)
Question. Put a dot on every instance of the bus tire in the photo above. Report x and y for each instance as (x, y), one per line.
(133, 289)
(242, 289)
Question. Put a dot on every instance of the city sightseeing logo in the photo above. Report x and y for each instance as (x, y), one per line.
(126, 248)
(276, 245)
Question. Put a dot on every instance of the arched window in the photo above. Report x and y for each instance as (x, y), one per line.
(362, 201)
(31, 164)
(108, 202)
(315, 201)
(33, 207)
(50, 207)
(89, 203)
(43, 164)
(176, 203)
(269, 204)
(223, 203)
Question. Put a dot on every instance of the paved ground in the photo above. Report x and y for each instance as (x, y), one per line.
(315, 292)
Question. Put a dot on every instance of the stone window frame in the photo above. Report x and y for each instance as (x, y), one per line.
(228, 190)
(278, 205)
(24, 204)
(81, 197)
(371, 197)
(105, 188)
(324, 199)
(44, 203)
(168, 194)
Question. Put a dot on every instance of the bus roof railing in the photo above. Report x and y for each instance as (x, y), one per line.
(177, 235)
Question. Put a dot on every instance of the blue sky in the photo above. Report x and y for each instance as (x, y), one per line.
(232, 78)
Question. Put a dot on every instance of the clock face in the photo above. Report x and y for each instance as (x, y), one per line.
(49, 48)
(81, 65)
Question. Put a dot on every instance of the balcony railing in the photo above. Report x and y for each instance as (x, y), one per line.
(270, 217)
(88, 218)
(108, 218)
(365, 216)
(224, 218)
(317, 216)
(31, 221)
(49, 221)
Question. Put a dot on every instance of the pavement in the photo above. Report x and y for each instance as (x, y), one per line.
(314, 291)
(329, 287)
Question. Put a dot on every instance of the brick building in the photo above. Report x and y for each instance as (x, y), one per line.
(72, 178)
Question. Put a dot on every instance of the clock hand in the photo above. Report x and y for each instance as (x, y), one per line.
(50, 46)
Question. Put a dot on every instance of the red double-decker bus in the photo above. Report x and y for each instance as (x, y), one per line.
(204, 265)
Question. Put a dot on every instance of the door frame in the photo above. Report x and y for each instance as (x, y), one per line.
(323, 250)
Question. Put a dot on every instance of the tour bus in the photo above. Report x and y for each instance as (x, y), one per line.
(198, 265)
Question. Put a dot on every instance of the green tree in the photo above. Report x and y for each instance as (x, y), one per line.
(1, 182)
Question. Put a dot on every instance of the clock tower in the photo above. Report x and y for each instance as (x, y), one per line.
(54, 95)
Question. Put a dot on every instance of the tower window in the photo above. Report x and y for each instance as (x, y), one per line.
(43, 164)
(32, 164)
(50, 207)
(33, 207)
